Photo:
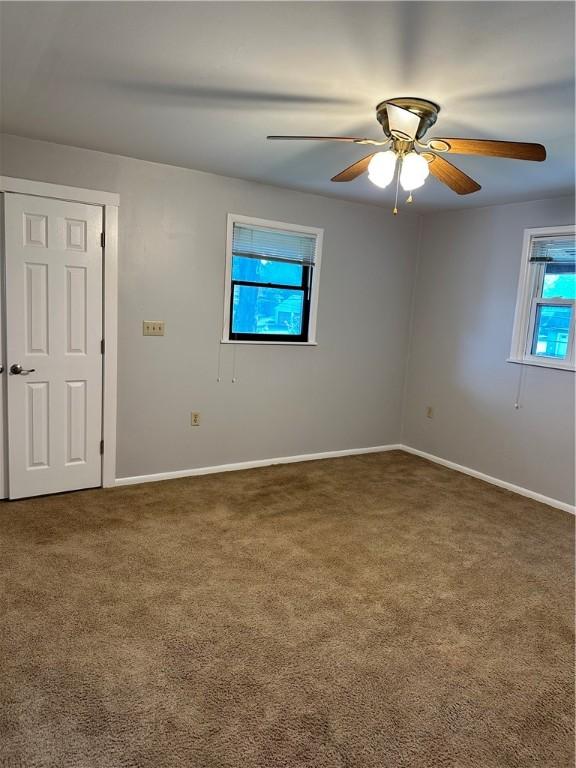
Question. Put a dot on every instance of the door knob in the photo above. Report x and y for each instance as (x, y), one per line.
(17, 370)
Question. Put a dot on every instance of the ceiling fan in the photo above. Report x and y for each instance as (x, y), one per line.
(405, 121)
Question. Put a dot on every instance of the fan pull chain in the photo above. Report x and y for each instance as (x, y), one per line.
(410, 200)
(395, 211)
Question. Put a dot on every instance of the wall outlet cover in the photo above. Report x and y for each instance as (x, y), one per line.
(153, 327)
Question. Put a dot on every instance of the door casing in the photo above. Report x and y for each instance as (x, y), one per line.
(110, 203)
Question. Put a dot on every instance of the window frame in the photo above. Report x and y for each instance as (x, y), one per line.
(529, 298)
(310, 280)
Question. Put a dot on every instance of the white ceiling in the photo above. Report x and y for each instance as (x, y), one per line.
(200, 85)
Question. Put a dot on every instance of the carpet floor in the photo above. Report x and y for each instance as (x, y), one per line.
(373, 611)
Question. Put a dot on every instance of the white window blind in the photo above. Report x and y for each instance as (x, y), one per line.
(273, 244)
(559, 253)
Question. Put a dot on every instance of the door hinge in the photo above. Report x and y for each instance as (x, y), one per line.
(102, 346)
(101, 447)
(102, 239)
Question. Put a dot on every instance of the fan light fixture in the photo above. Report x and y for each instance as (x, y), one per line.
(381, 168)
(414, 171)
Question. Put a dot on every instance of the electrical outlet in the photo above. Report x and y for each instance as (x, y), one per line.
(153, 328)
(195, 419)
(429, 412)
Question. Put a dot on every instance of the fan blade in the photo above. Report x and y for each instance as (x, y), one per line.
(354, 170)
(352, 139)
(516, 150)
(448, 174)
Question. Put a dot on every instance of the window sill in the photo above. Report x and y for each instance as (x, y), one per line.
(544, 364)
(273, 343)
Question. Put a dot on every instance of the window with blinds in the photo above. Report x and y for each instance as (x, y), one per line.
(272, 281)
(545, 314)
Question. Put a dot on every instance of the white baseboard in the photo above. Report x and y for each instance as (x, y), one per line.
(350, 452)
(252, 464)
(493, 480)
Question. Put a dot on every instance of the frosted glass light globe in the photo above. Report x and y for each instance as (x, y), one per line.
(381, 168)
(414, 171)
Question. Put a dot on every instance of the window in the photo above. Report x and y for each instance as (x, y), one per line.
(546, 306)
(272, 274)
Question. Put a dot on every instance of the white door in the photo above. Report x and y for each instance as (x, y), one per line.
(53, 344)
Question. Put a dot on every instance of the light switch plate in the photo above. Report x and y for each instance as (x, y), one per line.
(153, 328)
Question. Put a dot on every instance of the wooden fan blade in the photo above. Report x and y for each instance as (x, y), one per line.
(448, 174)
(352, 139)
(516, 150)
(354, 170)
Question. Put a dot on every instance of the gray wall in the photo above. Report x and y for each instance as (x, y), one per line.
(464, 304)
(348, 391)
(344, 393)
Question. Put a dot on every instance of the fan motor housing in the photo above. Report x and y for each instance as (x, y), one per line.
(426, 110)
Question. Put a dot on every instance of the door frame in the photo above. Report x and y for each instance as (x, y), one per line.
(109, 202)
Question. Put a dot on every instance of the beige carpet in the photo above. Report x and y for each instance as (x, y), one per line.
(375, 611)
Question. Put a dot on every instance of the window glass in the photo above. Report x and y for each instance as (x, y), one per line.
(551, 330)
(267, 310)
(559, 281)
(265, 271)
